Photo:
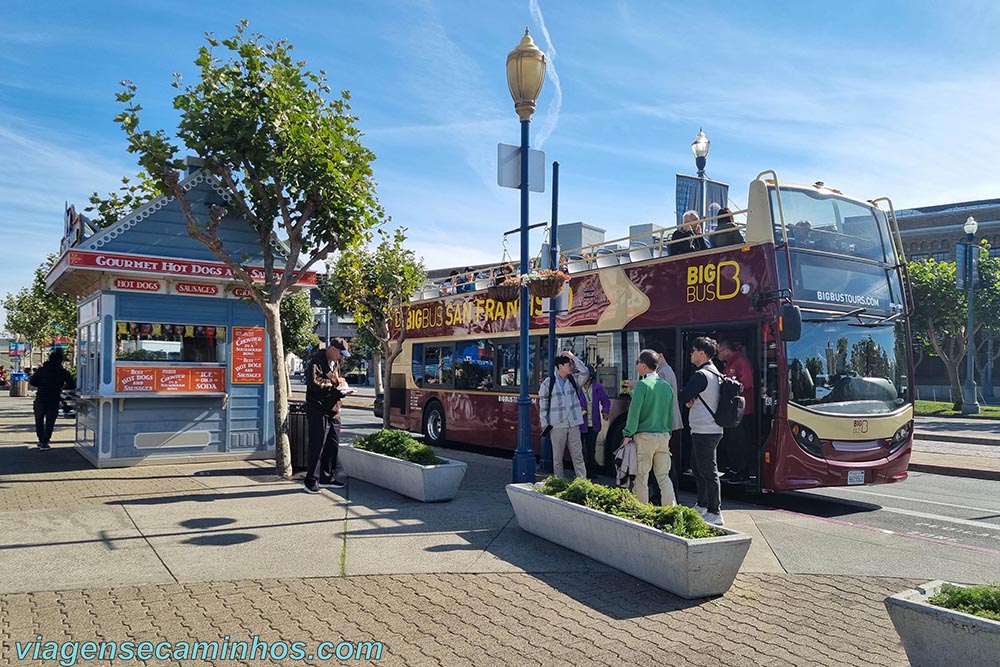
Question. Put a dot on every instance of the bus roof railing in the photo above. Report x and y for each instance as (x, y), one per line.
(623, 250)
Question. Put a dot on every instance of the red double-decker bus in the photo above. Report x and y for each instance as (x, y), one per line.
(816, 295)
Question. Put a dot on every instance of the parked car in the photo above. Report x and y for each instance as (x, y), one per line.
(379, 404)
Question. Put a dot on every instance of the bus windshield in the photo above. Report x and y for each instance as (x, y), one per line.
(825, 222)
(843, 368)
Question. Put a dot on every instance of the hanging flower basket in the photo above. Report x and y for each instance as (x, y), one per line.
(505, 293)
(546, 283)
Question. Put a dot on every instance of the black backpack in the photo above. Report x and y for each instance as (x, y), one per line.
(729, 413)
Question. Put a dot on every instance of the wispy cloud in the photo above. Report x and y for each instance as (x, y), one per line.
(550, 120)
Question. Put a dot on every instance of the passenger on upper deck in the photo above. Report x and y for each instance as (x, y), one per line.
(687, 237)
(802, 236)
(726, 232)
(467, 281)
(506, 271)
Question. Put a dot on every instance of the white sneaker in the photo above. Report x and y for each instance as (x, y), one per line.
(701, 510)
(714, 519)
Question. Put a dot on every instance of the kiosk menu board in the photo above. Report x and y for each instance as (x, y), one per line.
(248, 355)
(152, 379)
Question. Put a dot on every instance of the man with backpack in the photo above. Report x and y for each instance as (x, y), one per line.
(701, 395)
(560, 411)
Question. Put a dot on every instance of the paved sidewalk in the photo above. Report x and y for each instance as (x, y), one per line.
(205, 551)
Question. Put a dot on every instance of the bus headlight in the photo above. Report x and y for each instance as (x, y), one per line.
(902, 434)
(806, 439)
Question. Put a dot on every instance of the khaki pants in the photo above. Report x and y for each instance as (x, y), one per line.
(653, 453)
(560, 438)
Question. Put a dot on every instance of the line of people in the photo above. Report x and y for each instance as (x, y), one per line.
(573, 407)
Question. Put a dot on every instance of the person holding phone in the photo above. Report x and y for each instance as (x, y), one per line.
(325, 388)
(560, 410)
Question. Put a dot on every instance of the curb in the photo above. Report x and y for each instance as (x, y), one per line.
(950, 471)
(958, 439)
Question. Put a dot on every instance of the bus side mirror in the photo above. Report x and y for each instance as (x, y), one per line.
(790, 322)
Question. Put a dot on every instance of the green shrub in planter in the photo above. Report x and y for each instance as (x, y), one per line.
(676, 519)
(981, 601)
(400, 445)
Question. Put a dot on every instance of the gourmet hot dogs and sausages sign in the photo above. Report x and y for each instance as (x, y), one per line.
(163, 266)
(138, 379)
(248, 355)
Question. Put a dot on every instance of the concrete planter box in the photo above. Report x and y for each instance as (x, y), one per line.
(688, 568)
(424, 483)
(934, 635)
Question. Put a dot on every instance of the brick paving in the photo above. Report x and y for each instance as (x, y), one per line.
(508, 618)
(511, 619)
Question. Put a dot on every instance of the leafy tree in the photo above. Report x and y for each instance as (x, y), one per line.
(37, 314)
(939, 318)
(987, 307)
(291, 159)
(375, 286)
(297, 322)
(130, 196)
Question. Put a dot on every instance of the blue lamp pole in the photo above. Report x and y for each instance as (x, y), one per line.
(525, 75)
(970, 401)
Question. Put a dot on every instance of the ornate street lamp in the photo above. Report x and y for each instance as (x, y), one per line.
(970, 402)
(525, 76)
(700, 147)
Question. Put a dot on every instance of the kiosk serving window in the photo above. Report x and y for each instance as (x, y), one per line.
(156, 341)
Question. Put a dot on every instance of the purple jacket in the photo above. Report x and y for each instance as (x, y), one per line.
(600, 403)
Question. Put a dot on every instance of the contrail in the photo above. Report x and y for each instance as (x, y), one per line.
(551, 119)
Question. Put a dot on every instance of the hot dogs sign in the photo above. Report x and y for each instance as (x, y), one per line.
(131, 379)
(248, 355)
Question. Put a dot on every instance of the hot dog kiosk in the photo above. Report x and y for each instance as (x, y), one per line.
(172, 356)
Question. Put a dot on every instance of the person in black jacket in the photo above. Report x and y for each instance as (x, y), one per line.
(726, 232)
(687, 238)
(324, 390)
(49, 381)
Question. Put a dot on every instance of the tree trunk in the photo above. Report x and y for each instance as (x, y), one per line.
(282, 455)
(386, 384)
(377, 363)
(956, 384)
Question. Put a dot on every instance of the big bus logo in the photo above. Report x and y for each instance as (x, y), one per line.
(710, 282)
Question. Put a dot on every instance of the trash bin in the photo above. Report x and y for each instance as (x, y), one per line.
(298, 434)
(18, 384)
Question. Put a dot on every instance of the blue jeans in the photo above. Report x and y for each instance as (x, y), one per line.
(706, 473)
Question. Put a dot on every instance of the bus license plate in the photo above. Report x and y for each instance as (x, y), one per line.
(855, 476)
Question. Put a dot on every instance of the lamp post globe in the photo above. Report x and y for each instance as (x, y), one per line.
(525, 76)
(970, 398)
(700, 147)
(970, 227)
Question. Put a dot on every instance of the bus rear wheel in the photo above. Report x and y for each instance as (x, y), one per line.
(434, 425)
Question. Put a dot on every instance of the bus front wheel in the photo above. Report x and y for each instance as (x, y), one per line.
(434, 425)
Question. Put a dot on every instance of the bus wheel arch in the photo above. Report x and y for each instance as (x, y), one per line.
(434, 424)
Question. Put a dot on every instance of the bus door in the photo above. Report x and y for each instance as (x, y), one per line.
(749, 339)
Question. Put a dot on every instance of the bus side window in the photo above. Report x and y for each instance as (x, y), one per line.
(417, 364)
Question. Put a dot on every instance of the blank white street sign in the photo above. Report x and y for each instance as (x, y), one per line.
(509, 168)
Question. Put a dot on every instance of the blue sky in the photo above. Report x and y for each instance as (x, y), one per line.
(874, 98)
